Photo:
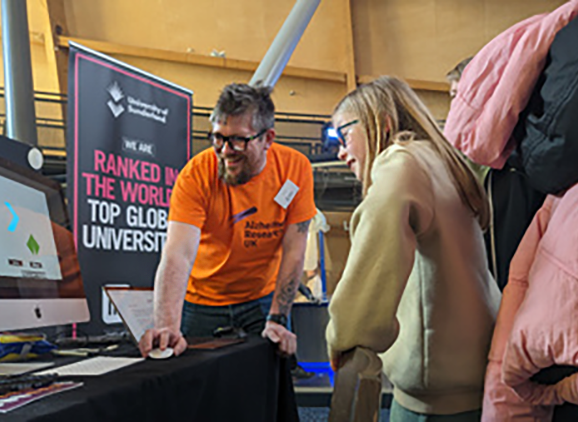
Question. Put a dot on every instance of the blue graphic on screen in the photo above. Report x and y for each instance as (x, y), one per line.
(27, 248)
(15, 218)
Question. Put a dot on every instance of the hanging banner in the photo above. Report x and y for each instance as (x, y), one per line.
(129, 134)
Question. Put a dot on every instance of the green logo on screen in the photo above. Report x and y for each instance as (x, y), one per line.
(33, 245)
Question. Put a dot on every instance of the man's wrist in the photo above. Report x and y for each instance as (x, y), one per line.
(278, 319)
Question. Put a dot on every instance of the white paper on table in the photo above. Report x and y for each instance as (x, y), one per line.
(98, 365)
(17, 368)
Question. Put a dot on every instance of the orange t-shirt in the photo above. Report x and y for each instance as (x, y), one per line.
(241, 226)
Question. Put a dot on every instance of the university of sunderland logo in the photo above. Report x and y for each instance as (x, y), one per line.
(114, 104)
(119, 103)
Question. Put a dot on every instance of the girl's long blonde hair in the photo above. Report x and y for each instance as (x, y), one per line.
(390, 112)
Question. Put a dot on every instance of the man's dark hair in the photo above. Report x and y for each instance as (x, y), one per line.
(238, 99)
(456, 73)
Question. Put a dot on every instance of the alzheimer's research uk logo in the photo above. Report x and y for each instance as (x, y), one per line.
(114, 104)
(243, 214)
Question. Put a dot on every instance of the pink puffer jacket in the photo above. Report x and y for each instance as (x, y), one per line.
(537, 323)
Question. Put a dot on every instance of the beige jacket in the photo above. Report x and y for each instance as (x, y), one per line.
(416, 286)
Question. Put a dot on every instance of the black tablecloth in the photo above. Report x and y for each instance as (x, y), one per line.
(244, 382)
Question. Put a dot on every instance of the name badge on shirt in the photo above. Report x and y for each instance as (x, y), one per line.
(286, 193)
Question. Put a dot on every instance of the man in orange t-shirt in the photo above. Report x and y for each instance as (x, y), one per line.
(237, 231)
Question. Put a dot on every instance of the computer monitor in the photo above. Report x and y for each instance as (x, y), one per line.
(40, 280)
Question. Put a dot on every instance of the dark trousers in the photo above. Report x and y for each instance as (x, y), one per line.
(203, 320)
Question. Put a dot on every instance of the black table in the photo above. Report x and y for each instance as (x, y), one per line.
(242, 382)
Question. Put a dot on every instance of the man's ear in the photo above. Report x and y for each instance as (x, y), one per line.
(269, 138)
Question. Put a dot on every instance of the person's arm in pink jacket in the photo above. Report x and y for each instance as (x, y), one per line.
(501, 403)
(536, 343)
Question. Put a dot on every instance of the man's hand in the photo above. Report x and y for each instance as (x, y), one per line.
(285, 339)
(162, 338)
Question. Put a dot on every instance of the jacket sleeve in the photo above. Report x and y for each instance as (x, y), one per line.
(501, 403)
(524, 357)
(565, 390)
(384, 232)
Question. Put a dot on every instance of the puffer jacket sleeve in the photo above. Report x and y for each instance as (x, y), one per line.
(544, 333)
(501, 403)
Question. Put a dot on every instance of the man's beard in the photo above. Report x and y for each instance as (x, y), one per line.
(240, 179)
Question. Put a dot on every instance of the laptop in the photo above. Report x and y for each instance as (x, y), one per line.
(135, 308)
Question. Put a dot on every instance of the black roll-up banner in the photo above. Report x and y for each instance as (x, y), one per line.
(128, 136)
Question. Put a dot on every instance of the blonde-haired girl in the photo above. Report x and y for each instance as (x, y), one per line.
(416, 287)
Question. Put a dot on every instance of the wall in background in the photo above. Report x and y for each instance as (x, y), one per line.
(242, 29)
(424, 39)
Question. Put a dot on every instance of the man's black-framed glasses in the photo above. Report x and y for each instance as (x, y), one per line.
(237, 143)
(339, 130)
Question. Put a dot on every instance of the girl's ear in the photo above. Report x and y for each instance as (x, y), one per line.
(387, 125)
(387, 130)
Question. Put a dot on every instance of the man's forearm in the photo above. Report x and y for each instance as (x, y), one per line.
(291, 268)
(286, 289)
(170, 287)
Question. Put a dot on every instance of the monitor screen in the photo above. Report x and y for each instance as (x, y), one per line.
(40, 281)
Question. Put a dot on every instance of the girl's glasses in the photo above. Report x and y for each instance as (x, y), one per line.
(339, 130)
